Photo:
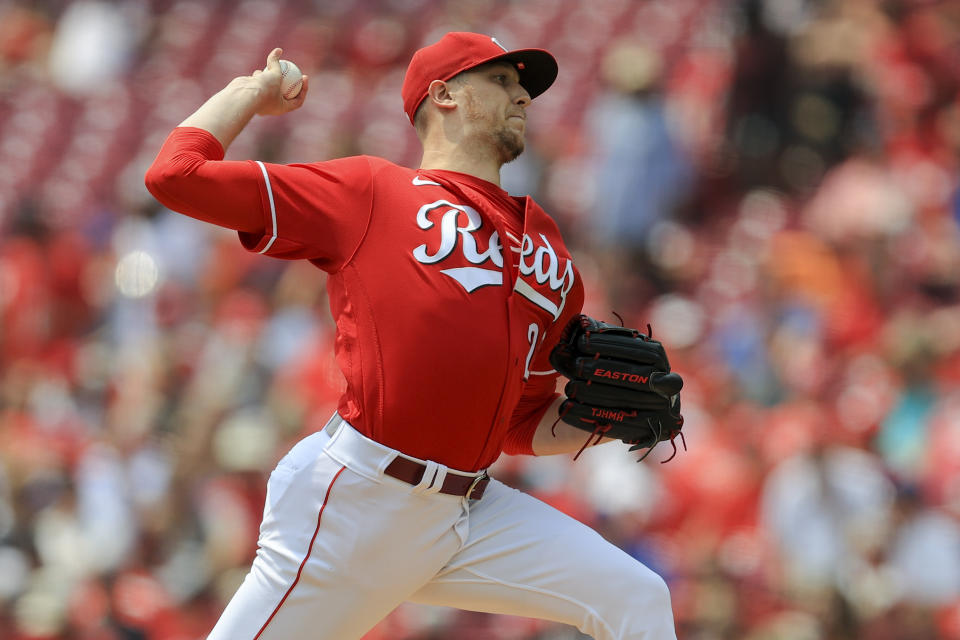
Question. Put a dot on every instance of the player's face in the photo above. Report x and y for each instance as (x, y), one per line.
(495, 108)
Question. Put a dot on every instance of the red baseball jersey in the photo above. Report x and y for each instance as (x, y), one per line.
(447, 292)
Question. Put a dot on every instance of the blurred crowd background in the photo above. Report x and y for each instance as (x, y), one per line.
(771, 184)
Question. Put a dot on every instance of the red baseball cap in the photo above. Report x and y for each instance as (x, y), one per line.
(459, 51)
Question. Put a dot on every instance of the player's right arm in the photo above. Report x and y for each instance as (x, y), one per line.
(318, 211)
(227, 112)
(189, 175)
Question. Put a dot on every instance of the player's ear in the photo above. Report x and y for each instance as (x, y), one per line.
(439, 93)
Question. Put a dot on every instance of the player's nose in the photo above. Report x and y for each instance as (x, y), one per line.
(522, 97)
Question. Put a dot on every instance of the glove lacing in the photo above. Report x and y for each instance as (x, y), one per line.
(673, 436)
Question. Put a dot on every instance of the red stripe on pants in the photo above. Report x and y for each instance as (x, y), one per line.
(305, 558)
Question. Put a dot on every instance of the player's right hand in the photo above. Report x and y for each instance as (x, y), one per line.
(268, 81)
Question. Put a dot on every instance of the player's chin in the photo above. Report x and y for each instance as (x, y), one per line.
(511, 145)
(518, 126)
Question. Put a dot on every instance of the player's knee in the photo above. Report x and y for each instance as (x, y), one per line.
(659, 592)
(648, 611)
(653, 587)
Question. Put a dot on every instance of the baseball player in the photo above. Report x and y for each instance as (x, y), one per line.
(449, 296)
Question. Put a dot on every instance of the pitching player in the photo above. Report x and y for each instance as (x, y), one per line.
(448, 295)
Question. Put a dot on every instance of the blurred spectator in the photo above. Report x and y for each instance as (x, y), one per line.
(94, 42)
(641, 172)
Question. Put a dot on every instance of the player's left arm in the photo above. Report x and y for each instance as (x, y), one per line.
(535, 427)
(553, 436)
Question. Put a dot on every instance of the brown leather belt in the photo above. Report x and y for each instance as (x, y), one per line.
(411, 472)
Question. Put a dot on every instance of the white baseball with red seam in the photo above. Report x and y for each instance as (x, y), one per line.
(292, 80)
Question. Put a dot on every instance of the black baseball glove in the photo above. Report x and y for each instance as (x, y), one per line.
(620, 384)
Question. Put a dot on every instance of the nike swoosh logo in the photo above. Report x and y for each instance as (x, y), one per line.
(419, 182)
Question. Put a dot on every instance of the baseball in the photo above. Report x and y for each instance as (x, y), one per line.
(292, 80)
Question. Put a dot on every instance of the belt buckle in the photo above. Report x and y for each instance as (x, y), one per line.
(473, 485)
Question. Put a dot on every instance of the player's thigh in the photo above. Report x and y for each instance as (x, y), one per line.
(525, 558)
(337, 552)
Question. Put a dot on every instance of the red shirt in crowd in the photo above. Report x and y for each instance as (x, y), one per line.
(447, 292)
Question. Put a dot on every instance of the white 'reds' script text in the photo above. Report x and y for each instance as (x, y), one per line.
(459, 226)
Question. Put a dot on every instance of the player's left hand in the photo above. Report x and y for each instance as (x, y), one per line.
(620, 384)
(268, 80)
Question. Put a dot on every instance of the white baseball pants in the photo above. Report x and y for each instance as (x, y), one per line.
(342, 544)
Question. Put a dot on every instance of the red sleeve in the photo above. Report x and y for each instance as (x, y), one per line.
(317, 211)
(538, 394)
(189, 176)
(541, 388)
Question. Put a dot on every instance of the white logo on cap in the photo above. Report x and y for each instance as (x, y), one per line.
(497, 42)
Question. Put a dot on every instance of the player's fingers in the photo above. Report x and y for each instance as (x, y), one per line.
(273, 60)
(296, 102)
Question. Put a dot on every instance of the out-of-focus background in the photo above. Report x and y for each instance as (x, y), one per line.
(771, 184)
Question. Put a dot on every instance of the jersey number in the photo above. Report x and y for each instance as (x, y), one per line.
(533, 332)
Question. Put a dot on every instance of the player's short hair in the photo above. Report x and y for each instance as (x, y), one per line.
(419, 117)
